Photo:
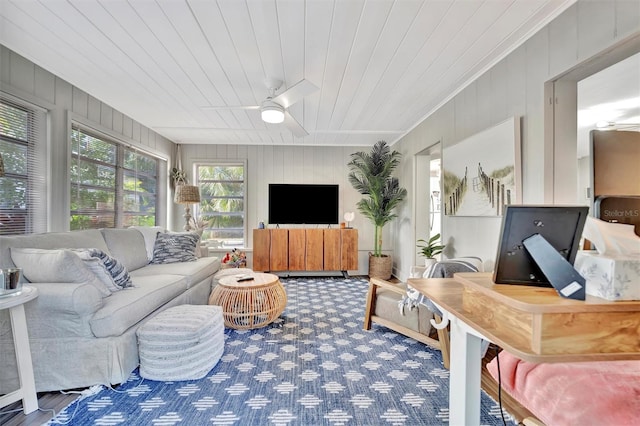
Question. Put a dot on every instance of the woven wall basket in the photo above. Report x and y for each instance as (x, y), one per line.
(380, 267)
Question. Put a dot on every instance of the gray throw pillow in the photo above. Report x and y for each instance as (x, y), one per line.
(173, 248)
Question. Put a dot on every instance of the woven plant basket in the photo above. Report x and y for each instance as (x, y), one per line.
(380, 267)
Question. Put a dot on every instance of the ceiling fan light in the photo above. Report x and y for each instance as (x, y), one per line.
(272, 112)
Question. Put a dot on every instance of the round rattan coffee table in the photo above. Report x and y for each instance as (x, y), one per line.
(249, 304)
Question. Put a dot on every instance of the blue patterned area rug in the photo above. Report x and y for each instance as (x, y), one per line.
(314, 366)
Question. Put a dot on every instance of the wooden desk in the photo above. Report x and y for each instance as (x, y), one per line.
(533, 323)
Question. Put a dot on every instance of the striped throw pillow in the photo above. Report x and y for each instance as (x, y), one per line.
(173, 248)
(117, 270)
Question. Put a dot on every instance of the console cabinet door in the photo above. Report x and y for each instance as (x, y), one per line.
(332, 250)
(261, 249)
(349, 249)
(296, 249)
(279, 259)
(315, 250)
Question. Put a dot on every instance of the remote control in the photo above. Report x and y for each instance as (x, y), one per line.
(245, 278)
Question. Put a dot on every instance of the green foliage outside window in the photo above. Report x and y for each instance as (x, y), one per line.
(111, 185)
(222, 190)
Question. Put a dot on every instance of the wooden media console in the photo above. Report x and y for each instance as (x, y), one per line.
(298, 249)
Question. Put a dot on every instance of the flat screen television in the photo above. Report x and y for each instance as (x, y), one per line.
(561, 226)
(311, 204)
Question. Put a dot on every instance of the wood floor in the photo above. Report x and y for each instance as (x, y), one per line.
(48, 403)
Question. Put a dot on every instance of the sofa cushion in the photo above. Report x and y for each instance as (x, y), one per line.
(55, 266)
(149, 234)
(193, 271)
(128, 307)
(52, 240)
(126, 245)
(388, 307)
(175, 247)
(573, 393)
(62, 310)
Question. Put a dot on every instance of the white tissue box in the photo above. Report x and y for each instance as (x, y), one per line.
(611, 277)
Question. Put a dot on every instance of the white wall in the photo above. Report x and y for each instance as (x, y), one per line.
(25, 80)
(515, 87)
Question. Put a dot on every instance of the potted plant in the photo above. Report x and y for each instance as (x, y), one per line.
(371, 175)
(430, 248)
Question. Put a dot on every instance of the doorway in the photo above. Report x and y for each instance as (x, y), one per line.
(428, 190)
(604, 88)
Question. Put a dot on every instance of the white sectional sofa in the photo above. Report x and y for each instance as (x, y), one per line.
(80, 337)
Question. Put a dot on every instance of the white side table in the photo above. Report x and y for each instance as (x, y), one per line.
(27, 391)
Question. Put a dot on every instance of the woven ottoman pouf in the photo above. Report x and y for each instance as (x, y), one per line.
(181, 343)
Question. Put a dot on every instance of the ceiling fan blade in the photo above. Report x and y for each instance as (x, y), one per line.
(293, 126)
(295, 93)
(225, 107)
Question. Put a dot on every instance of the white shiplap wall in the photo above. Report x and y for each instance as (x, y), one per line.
(22, 79)
(513, 87)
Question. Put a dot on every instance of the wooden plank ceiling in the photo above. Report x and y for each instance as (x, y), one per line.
(181, 67)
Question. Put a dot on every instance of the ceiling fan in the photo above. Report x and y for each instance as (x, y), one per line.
(273, 109)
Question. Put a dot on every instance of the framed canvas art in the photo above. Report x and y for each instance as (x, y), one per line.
(482, 173)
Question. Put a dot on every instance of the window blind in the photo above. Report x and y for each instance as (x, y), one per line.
(23, 188)
(112, 185)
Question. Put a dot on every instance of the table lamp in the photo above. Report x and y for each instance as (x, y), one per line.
(348, 217)
(187, 195)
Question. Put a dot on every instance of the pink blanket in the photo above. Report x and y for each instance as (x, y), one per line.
(574, 393)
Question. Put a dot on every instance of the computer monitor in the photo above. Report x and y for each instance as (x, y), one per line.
(560, 226)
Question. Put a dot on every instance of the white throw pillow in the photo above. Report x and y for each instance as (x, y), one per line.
(55, 266)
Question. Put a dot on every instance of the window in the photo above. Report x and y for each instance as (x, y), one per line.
(112, 185)
(222, 201)
(23, 194)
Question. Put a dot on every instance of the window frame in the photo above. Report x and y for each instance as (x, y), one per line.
(120, 171)
(224, 163)
(36, 212)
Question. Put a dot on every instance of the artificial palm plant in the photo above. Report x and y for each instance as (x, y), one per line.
(371, 175)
